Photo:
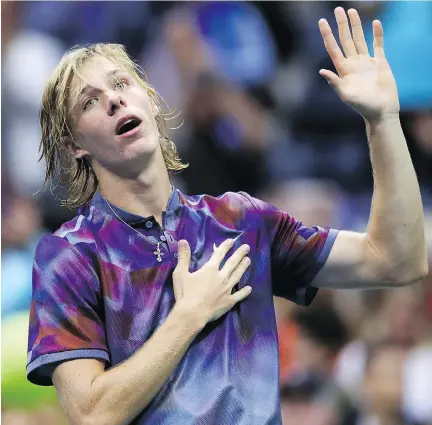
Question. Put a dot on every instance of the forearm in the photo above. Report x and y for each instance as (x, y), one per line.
(396, 225)
(120, 394)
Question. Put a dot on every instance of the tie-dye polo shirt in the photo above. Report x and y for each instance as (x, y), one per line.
(99, 292)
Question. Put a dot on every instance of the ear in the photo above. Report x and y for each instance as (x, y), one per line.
(75, 150)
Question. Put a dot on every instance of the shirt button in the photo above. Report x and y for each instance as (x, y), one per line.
(175, 255)
(149, 224)
(163, 238)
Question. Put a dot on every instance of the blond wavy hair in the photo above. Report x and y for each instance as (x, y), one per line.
(61, 167)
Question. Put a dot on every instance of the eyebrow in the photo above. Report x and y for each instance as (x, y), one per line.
(89, 86)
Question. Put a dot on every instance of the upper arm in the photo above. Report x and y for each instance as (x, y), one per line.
(66, 316)
(72, 380)
(353, 263)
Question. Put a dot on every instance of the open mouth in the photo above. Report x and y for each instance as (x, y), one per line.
(127, 126)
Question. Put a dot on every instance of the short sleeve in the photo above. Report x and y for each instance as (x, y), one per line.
(66, 315)
(298, 252)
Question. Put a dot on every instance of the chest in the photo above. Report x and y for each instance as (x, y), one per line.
(138, 291)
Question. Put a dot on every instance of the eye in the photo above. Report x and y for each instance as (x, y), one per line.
(120, 84)
(89, 103)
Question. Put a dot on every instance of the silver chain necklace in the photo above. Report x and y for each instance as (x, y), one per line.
(158, 251)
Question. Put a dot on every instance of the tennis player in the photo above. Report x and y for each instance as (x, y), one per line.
(154, 307)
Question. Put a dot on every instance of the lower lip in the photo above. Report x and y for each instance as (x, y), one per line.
(130, 133)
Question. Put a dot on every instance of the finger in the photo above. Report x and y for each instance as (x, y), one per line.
(220, 251)
(345, 38)
(241, 294)
(239, 272)
(330, 44)
(235, 259)
(184, 255)
(334, 80)
(378, 43)
(357, 31)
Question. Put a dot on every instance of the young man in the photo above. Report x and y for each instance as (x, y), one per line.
(153, 307)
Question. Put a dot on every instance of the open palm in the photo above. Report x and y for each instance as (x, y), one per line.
(366, 83)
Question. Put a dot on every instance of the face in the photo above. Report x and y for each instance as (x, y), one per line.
(113, 118)
(309, 356)
(306, 413)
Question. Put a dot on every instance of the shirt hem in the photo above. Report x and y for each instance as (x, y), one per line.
(39, 370)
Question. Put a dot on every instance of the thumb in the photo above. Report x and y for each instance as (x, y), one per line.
(333, 79)
(184, 255)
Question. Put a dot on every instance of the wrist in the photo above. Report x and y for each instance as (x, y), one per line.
(189, 316)
(382, 119)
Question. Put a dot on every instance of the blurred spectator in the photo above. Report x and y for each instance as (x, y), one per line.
(418, 126)
(298, 408)
(240, 41)
(257, 117)
(226, 131)
(227, 138)
(314, 201)
(383, 385)
(98, 22)
(237, 42)
(11, 13)
(28, 60)
(21, 231)
(403, 316)
(309, 389)
(399, 318)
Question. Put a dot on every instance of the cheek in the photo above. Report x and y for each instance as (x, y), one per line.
(144, 102)
(93, 126)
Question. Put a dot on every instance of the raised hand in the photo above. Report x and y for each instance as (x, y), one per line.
(366, 83)
(208, 291)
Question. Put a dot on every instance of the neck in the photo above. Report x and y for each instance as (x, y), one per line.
(146, 194)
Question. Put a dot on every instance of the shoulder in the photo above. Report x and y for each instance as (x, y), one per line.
(67, 256)
(75, 238)
(83, 226)
(228, 207)
(235, 201)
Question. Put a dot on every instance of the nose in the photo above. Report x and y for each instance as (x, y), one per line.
(115, 101)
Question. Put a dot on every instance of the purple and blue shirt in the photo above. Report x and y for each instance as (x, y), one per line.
(99, 292)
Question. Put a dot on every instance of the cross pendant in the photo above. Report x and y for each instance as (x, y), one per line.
(158, 253)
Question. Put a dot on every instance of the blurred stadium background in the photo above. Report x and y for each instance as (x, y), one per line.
(257, 117)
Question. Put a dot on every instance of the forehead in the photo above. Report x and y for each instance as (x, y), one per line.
(93, 72)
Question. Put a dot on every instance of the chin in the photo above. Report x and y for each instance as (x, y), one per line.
(141, 149)
(141, 146)
(132, 156)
